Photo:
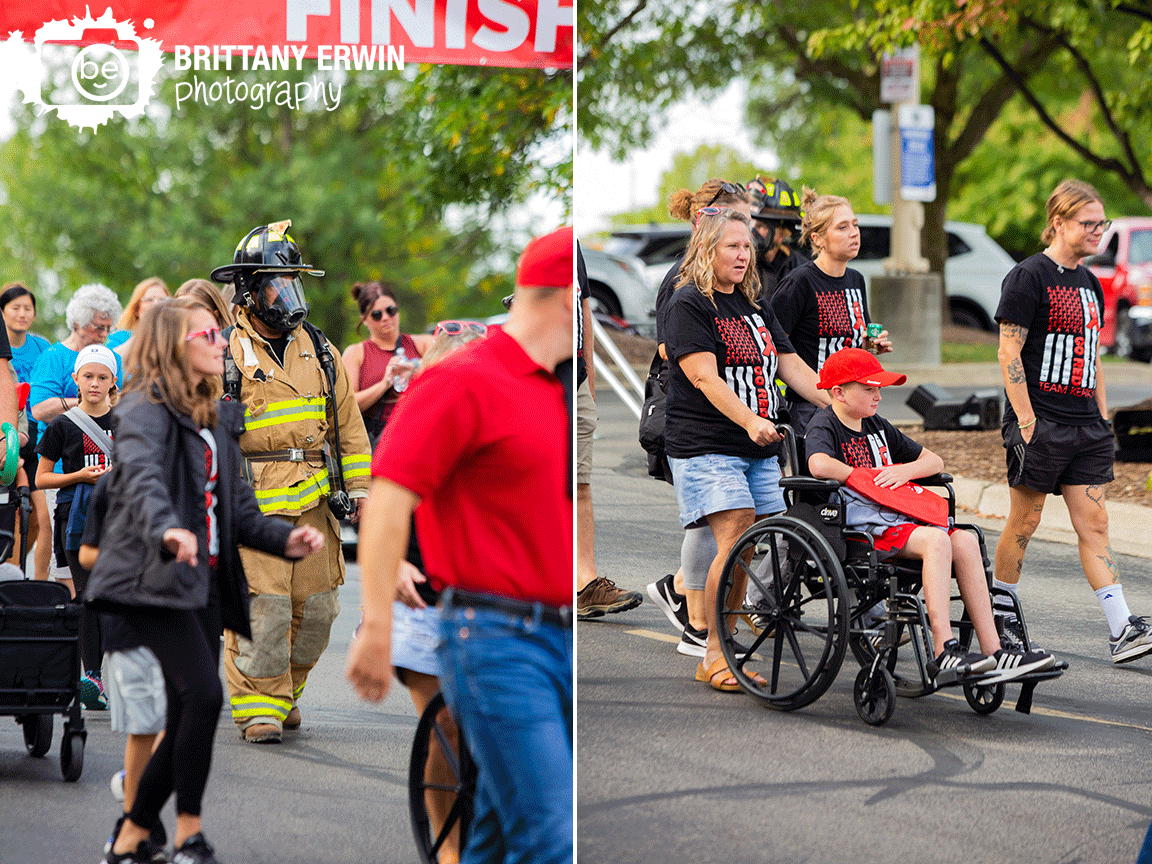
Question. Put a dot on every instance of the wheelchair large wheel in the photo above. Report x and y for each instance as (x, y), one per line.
(452, 793)
(797, 656)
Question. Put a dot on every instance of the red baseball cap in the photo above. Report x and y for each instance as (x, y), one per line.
(547, 261)
(856, 364)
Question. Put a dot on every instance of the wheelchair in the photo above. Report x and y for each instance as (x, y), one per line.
(818, 579)
(457, 792)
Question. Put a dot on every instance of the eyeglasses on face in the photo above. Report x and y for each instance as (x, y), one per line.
(98, 328)
(724, 187)
(1092, 227)
(377, 314)
(212, 334)
(453, 328)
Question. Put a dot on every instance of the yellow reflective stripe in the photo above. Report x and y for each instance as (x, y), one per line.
(299, 690)
(260, 706)
(288, 411)
(294, 497)
(356, 465)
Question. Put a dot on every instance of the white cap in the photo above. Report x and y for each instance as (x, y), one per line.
(95, 354)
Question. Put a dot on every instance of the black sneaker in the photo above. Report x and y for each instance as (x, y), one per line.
(157, 840)
(1016, 661)
(1134, 641)
(142, 855)
(195, 851)
(673, 605)
(760, 619)
(693, 642)
(1014, 631)
(953, 664)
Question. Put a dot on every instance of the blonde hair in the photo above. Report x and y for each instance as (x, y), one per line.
(1064, 201)
(131, 313)
(157, 363)
(699, 260)
(684, 204)
(818, 212)
(446, 343)
(208, 296)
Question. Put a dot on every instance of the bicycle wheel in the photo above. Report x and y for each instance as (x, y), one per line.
(441, 781)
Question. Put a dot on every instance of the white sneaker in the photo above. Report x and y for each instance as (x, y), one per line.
(117, 784)
(1134, 641)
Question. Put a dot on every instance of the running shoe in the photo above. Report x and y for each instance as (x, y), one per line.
(954, 663)
(195, 850)
(92, 692)
(673, 605)
(1134, 641)
(1016, 661)
(152, 848)
(758, 620)
(693, 642)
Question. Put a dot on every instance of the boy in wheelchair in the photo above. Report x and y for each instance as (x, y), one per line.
(849, 434)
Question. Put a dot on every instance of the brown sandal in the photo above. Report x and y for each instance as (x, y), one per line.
(719, 669)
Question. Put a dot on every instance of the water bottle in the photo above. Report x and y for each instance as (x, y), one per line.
(403, 371)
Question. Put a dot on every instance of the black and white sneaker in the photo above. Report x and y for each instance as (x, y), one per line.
(693, 642)
(1016, 661)
(195, 850)
(156, 842)
(954, 663)
(673, 605)
(1013, 630)
(1134, 641)
(141, 855)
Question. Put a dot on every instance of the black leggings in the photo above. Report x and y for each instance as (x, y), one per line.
(189, 655)
(91, 647)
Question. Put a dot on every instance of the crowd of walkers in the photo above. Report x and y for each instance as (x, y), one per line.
(753, 333)
(190, 458)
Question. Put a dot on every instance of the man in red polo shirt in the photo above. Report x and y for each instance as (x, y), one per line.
(482, 443)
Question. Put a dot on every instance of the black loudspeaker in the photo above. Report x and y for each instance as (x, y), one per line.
(941, 410)
(1133, 430)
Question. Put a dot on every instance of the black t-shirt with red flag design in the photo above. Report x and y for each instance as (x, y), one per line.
(821, 314)
(1061, 308)
(746, 342)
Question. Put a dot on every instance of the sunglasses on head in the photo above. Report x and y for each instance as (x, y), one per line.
(452, 328)
(377, 314)
(724, 187)
(212, 334)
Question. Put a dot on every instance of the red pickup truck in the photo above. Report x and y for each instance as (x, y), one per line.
(1124, 267)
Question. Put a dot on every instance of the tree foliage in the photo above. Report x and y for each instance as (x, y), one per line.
(411, 179)
(1024, 93)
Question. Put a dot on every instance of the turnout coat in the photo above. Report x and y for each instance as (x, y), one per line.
(157, 482)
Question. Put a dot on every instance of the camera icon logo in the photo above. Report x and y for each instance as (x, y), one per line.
(87, 70)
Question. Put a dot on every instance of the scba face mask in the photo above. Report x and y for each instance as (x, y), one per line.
(277, 299)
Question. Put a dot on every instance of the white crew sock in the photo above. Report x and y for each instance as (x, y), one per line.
(1111, 598)
(999, 601)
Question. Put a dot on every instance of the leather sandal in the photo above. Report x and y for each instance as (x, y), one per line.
(718, 676)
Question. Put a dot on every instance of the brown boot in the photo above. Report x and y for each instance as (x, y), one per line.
(262, 733)
(601, 595)
(292, 721)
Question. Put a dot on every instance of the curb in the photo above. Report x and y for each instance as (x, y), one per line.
(986, 505)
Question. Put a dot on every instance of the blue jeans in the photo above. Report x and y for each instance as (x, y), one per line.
(508, 681)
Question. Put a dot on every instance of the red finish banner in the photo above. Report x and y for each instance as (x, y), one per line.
(349, 34)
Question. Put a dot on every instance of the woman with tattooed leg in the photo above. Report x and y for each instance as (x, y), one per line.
(1056, 434)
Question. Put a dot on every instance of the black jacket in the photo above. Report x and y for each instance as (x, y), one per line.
(156, 483)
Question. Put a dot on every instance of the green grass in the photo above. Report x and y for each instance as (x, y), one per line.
(963, 352)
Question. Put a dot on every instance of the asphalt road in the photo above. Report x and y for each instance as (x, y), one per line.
(670, 770)
(335, 792)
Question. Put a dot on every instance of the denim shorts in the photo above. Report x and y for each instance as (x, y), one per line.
(712, 483)
(415, 634)
(134, 685)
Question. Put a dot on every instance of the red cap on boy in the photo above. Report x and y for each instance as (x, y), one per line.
(856, 364)
(547, 261)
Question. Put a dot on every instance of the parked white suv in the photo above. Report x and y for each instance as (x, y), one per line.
(619, 288)
(973, 273)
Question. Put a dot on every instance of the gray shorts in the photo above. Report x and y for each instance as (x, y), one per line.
(134, 685)
(586, 418)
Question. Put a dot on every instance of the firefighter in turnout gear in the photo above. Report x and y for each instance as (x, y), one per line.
(276, 367)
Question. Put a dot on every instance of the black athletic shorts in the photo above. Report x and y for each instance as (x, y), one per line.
(1058, 455)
